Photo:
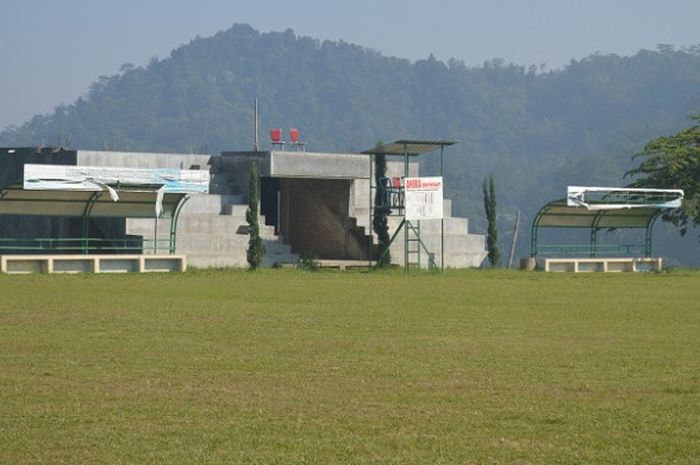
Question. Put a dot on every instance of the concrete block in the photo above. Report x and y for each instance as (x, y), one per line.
(319, 165)
(143, 159)
(217, 260)
(447, 207)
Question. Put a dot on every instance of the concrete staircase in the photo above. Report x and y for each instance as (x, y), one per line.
(213, 233)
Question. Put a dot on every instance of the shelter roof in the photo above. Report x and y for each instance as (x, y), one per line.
(133, 202)
(558, 214)
(411, 147)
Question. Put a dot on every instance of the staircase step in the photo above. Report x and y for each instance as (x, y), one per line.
(194, 224)
(210, 203)
(234, 209)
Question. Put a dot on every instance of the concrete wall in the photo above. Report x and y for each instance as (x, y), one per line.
(319, 165)
(233, 168)
(232, 171)
(143, 160)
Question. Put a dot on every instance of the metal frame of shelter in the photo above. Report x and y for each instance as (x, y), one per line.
(134, 202)
(405, 149)
(558, 214)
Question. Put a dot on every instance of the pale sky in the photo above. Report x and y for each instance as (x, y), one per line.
(51, 50)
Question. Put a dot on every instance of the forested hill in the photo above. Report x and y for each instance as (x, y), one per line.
(535, 130)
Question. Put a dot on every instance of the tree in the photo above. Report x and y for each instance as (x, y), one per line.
(256, 249)
(488, 189)
(381, 208)
(673, 162)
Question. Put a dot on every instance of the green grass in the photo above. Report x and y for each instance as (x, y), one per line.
(285, 367)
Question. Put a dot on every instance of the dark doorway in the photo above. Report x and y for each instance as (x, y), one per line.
(314, 219)
(269, 201)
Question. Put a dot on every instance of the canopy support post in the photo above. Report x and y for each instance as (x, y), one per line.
(442, 220)
(405, 231)
(533, 232)
(593, 252)
(647, 237)
(173, 223)
(372, 194)
(86, 221)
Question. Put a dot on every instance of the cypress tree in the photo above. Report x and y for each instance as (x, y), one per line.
(488, 189)
(381, 208)
(256, 249)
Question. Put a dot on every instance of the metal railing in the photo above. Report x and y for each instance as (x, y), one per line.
(79, 245)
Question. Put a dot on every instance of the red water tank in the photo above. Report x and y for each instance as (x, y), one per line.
(294, 135)
(276, 135)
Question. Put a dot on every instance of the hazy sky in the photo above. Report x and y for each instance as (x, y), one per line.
(51, 50)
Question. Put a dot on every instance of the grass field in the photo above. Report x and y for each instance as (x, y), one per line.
(285, 367)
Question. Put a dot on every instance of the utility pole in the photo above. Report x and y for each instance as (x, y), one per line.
(515, 239)
(206, 148)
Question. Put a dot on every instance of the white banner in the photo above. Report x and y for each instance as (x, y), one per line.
(99, 178)
(423, 198)
(618, 198)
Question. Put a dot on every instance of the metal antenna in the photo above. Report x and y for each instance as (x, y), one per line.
(255, 127)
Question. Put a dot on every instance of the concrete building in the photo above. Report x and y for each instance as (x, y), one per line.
(311, 203)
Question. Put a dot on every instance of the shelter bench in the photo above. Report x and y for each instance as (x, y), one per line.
(92, 263)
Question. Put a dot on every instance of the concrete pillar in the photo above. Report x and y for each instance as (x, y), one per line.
(528, 263)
